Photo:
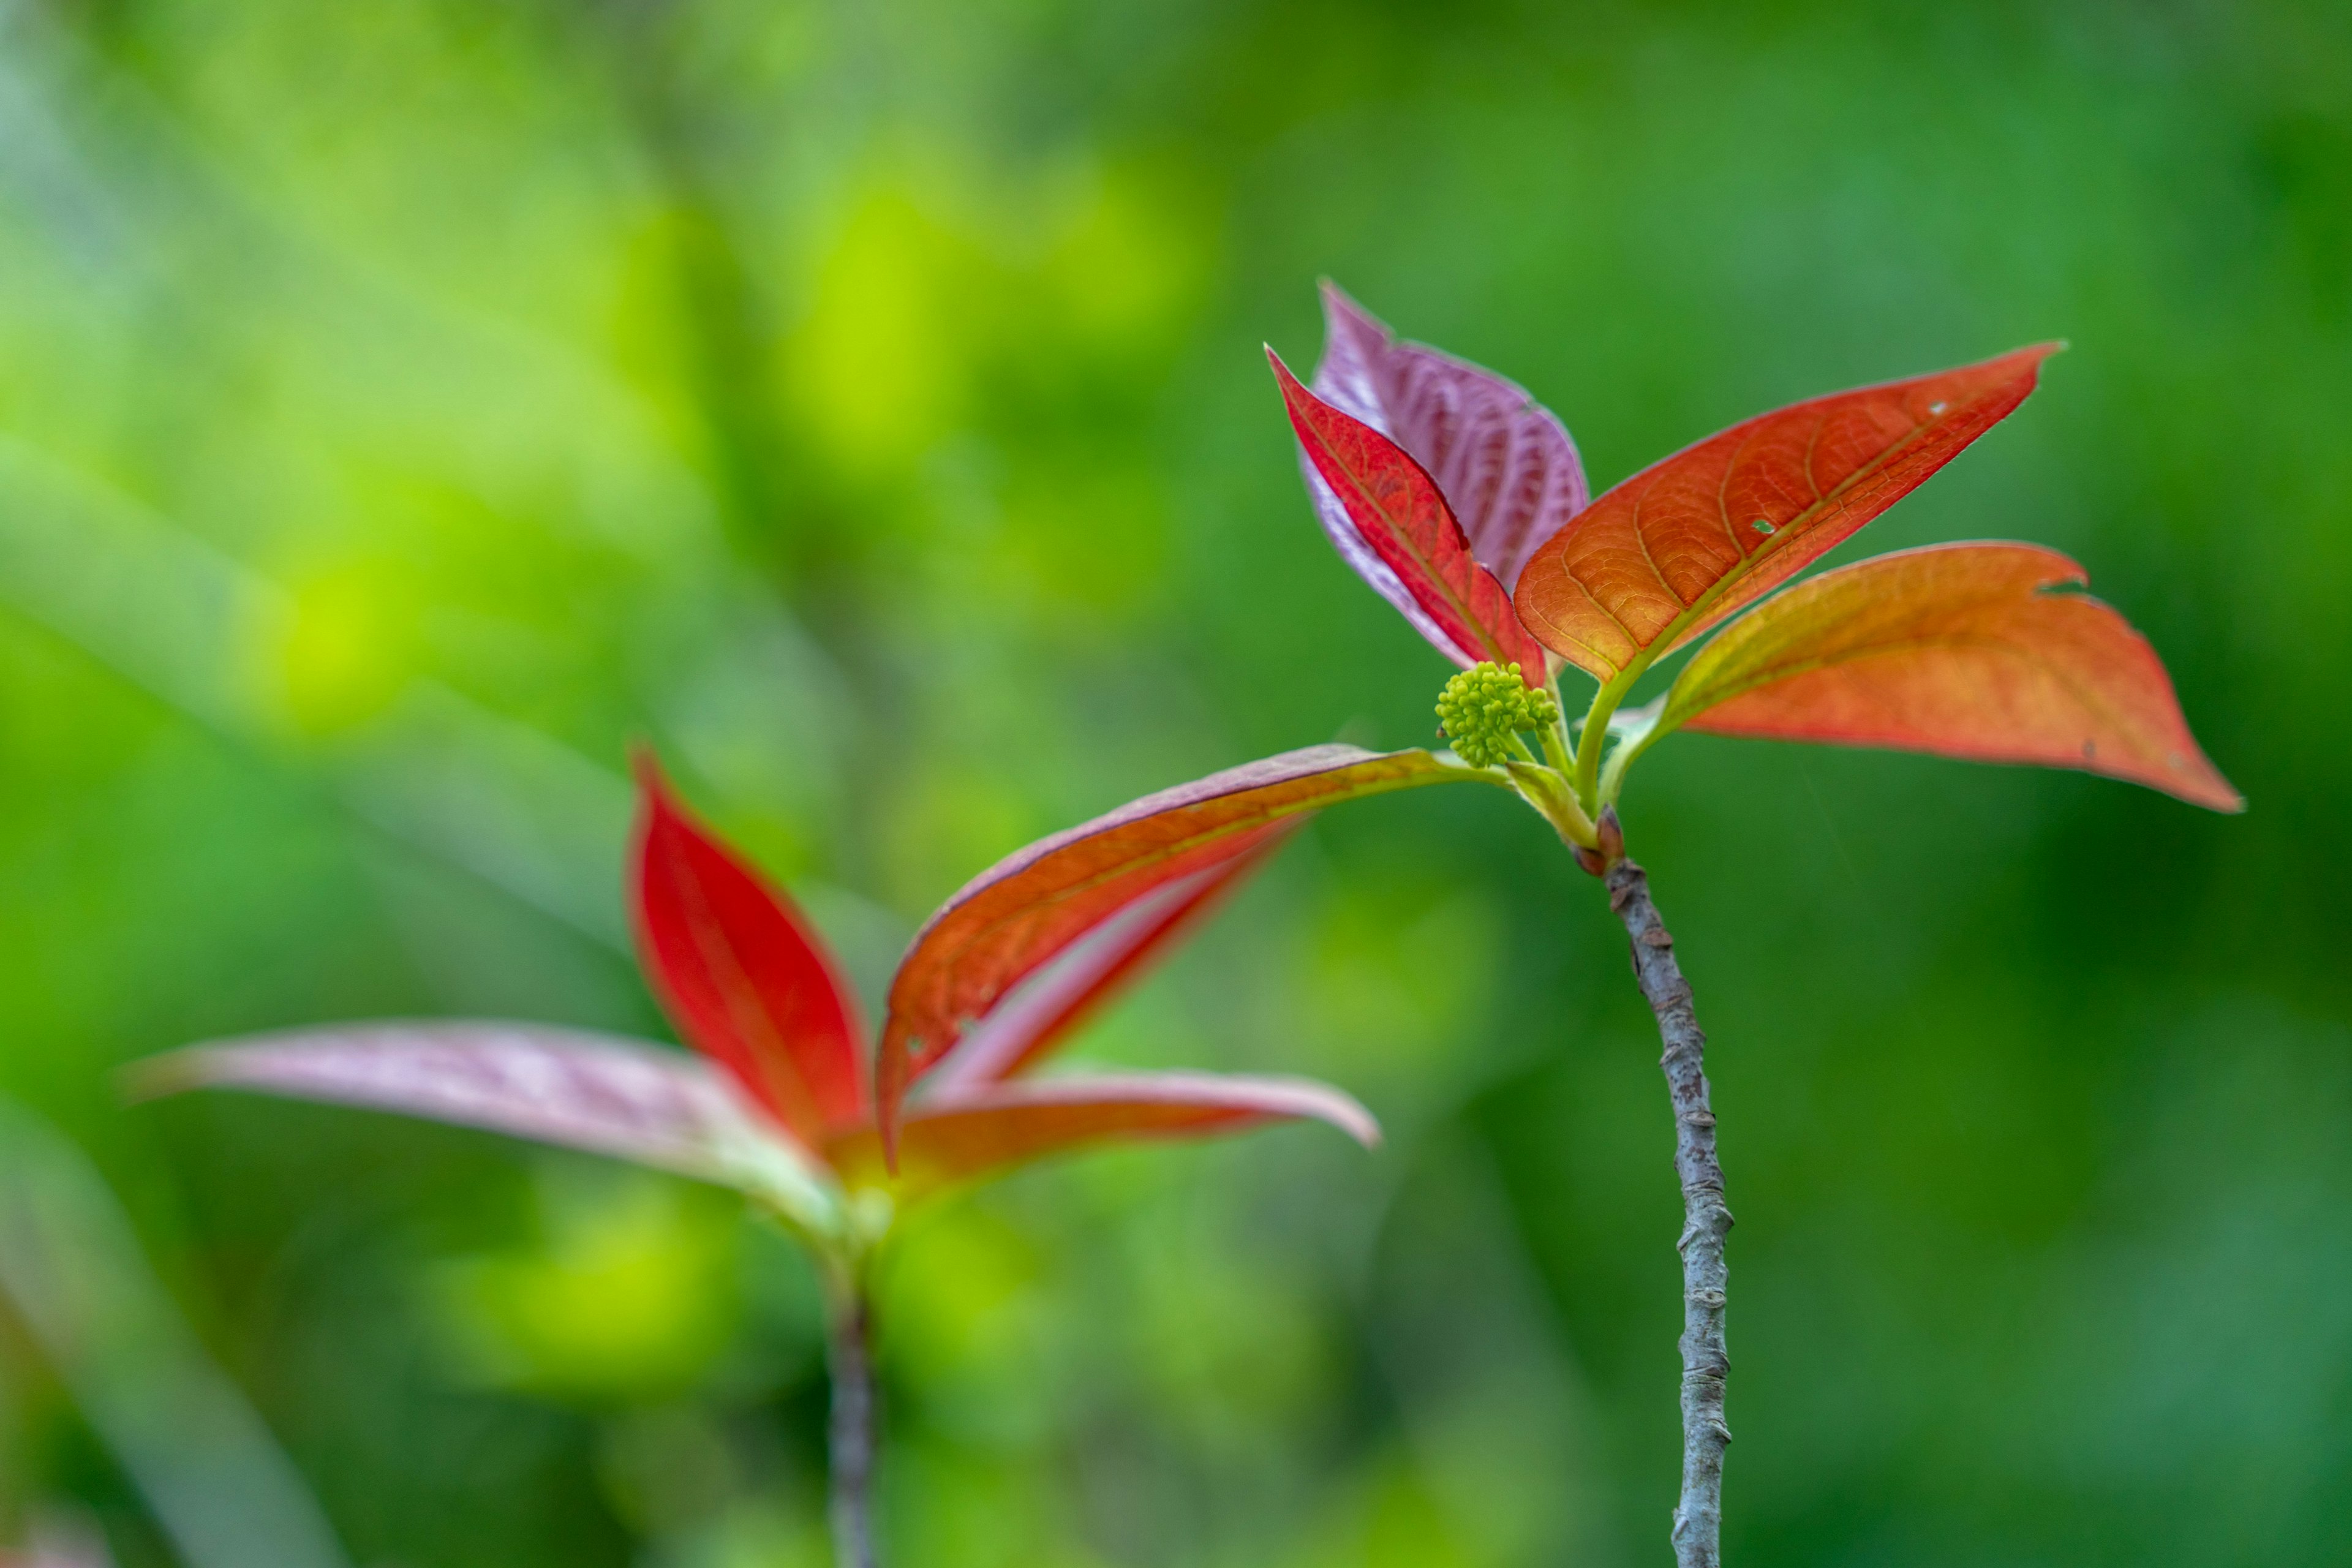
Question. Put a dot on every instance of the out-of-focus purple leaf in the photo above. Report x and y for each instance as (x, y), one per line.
(1504, 461)
(566, 1086)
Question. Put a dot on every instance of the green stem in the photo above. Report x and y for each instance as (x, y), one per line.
(1595, 733)
(1613, 772)
(1555, 746)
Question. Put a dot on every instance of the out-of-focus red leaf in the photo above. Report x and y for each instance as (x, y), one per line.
(747, 981)
(1503, 462)
(1043, 1010)
(1399, 512)
(1031, 907)
(947, 1139)
(1686, 542)
(565, 1086)
(1959, 650)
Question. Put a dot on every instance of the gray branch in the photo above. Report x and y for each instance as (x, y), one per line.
(849, 1358)
(1698, 1517)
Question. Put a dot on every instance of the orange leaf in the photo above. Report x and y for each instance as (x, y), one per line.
(1043, 1010)
(1683, 544)
(1958, 649)
(746, 980)
(1031, 907)
(946, 1140)
(1401, 513)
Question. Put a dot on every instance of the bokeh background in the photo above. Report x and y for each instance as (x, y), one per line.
(404, 406)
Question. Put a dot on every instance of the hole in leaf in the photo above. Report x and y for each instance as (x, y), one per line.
(1760, 526)
(1938, 407)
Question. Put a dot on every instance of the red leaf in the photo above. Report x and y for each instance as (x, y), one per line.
(1045, 1009)
(1400, 513)
(945, 1140)
(1031, 907)
(565, 1086)
(1678, 547)
(1958, 649)
(1502, 461)
(746, 980)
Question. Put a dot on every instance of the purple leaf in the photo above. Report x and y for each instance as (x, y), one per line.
(1503, 462)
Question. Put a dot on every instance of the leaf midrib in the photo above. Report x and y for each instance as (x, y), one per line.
(1797, 527)
(1429, 568)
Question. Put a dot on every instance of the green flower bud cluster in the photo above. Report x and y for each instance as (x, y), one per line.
(1486, 705)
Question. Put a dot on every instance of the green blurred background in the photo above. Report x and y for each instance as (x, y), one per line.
(403, 405)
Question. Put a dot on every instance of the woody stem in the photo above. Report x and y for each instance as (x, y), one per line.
(1698, 1516)
(849, 1322)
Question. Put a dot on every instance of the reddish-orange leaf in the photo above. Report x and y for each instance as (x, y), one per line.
(1400, 513)
(1030, 908)
(1046, 1009)
(746, 980)
(1964, 651)
(950, 1139)
(1683, 544)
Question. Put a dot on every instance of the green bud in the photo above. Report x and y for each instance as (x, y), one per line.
(1482, 708)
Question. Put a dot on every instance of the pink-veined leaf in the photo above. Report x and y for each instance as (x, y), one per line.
(1963, 650)
(1043, 1010)
(1686, 542)
(748, 982)
(943, 1140)
(1032, 906)
(1397, 510)
(1502, 461)
(570, 1088)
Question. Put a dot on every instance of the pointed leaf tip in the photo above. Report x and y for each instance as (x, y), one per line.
(741, 973)
(1389, 521)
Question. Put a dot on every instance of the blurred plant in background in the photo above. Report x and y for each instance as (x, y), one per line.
(402, 406)
(780, 1106)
